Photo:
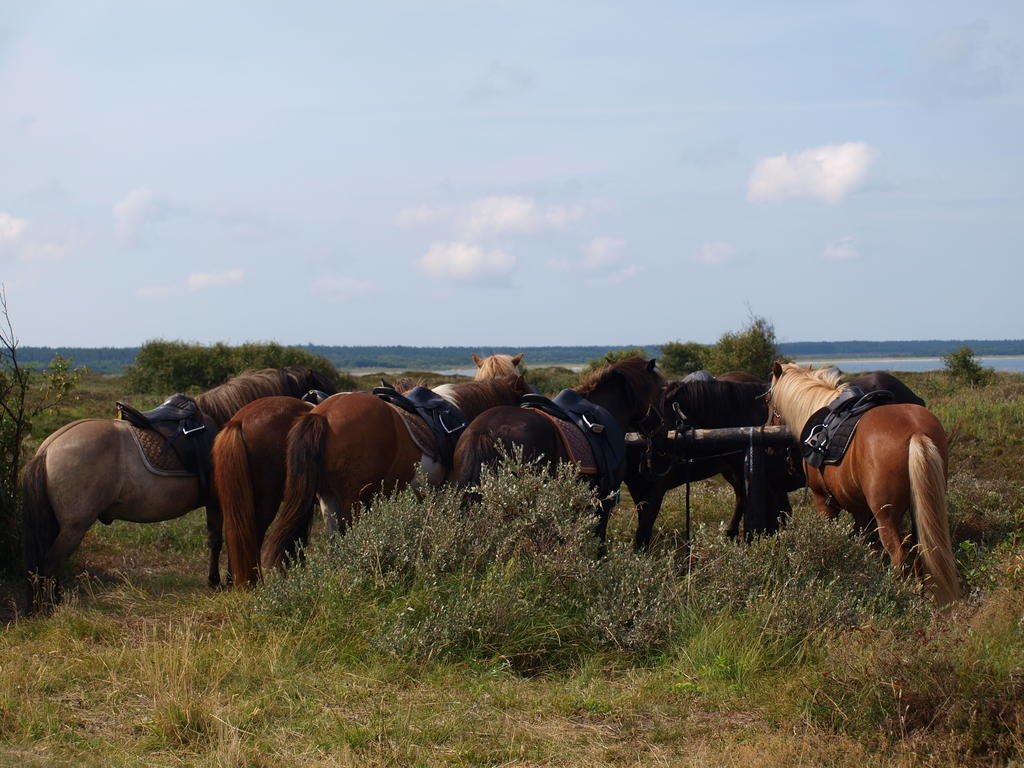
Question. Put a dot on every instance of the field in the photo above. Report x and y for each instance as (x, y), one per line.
(780, 653)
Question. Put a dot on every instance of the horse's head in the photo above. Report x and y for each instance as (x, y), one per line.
(632, 389)
(497, 365)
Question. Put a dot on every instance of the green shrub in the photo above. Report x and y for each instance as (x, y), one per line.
(753, 349)
(963, 367)
(679, 358)
(174, 366)
(514, 576)
(552, 379)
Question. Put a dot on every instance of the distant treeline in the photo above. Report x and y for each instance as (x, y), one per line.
(116, 359)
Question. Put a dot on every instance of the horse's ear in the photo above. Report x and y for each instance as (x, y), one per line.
(651, 363)
(776, 369)
(517, 358)
(385, 384)
(476, 359)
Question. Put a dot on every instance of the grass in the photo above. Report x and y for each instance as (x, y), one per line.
(769, 661)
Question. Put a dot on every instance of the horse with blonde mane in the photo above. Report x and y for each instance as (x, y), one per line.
(897, 461)
(497, 365)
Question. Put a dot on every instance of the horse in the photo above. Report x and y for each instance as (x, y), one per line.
(737, 400)
(729, 401)
(897, 461)
(629, 390)
(250, 466)
(354, 446)
(92, 469)
(497, 365)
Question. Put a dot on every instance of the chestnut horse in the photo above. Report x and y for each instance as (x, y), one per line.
(91, 469)
(249, 467)
(629, 390)
(354, 446)
(897, 461)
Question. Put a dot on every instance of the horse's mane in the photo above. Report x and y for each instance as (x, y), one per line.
(221, 403)
(720, 403)
(799, 392)
(475, 397)
(496, 365)
(828, 374)
(633, 370)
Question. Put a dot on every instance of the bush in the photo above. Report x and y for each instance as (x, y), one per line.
(514, 576)
(679, 358)
(753, 349)
(963, 367)
(174, 366)
(614, 356)
(552, 379)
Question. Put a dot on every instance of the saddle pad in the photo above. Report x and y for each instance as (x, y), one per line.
(159, 459)
(422, 435)
(575, 443)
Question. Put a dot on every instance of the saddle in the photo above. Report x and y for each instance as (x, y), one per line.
(444, 420)
(185, 434)
(827, 434)
(603, 434)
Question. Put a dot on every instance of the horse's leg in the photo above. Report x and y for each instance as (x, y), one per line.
(734, 476)
(648, 497)
(890, 532)
(215, 541)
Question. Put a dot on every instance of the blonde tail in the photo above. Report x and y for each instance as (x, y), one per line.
(928, 502)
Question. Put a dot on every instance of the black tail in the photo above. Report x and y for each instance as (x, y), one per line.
(39, 529)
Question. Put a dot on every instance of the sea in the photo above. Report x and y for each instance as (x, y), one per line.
(1013, 363)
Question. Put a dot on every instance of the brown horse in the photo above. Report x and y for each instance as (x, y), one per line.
(497, 365)
(92, 469)
(630, 391)
(897, 461)
(354, 446)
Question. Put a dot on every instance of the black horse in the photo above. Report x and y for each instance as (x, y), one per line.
(629, 392)
(734, 399)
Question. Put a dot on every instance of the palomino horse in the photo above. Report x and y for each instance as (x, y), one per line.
(92, 469)
(497, 365)
(897, 461)
(249, 466)
(353, 446)
(630, 391)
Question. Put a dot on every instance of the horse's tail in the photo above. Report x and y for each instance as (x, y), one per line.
(39, 528)
(305, 472)
(928, 502)
(233, 482)
(474, 449)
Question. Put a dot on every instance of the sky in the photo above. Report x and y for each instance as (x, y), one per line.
(470, 173)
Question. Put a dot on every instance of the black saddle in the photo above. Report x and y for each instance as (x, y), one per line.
(314, 396)
(185, 431)
(606, 438)
(445, 420)
(827, 434)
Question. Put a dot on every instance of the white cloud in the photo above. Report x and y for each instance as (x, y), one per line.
(198, 281)
(339, 287)
(716, 253)
(465, 262)
(138, 209)
(11, 229)
(844, 249)
(602, 252)
(826, 173)
(494, 215)
(616, 277)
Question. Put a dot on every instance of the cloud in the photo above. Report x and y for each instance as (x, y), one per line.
(616, 277)
(716, 253)
(44, 252)
(198, 281)
(138, 210)
(963, 63)
(11, 229)
(465, 262)
(826, 173)
(500, 81)
(493, 216)
(844, 249)
(602, 252)
(339, 287)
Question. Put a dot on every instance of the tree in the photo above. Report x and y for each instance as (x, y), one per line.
(23, 396)
(679, 358)
(753, 349)
(963, 366)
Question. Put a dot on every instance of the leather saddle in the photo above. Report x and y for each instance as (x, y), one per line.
(185, 431)
(606, 438)
(828, 433)
(446, 422)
